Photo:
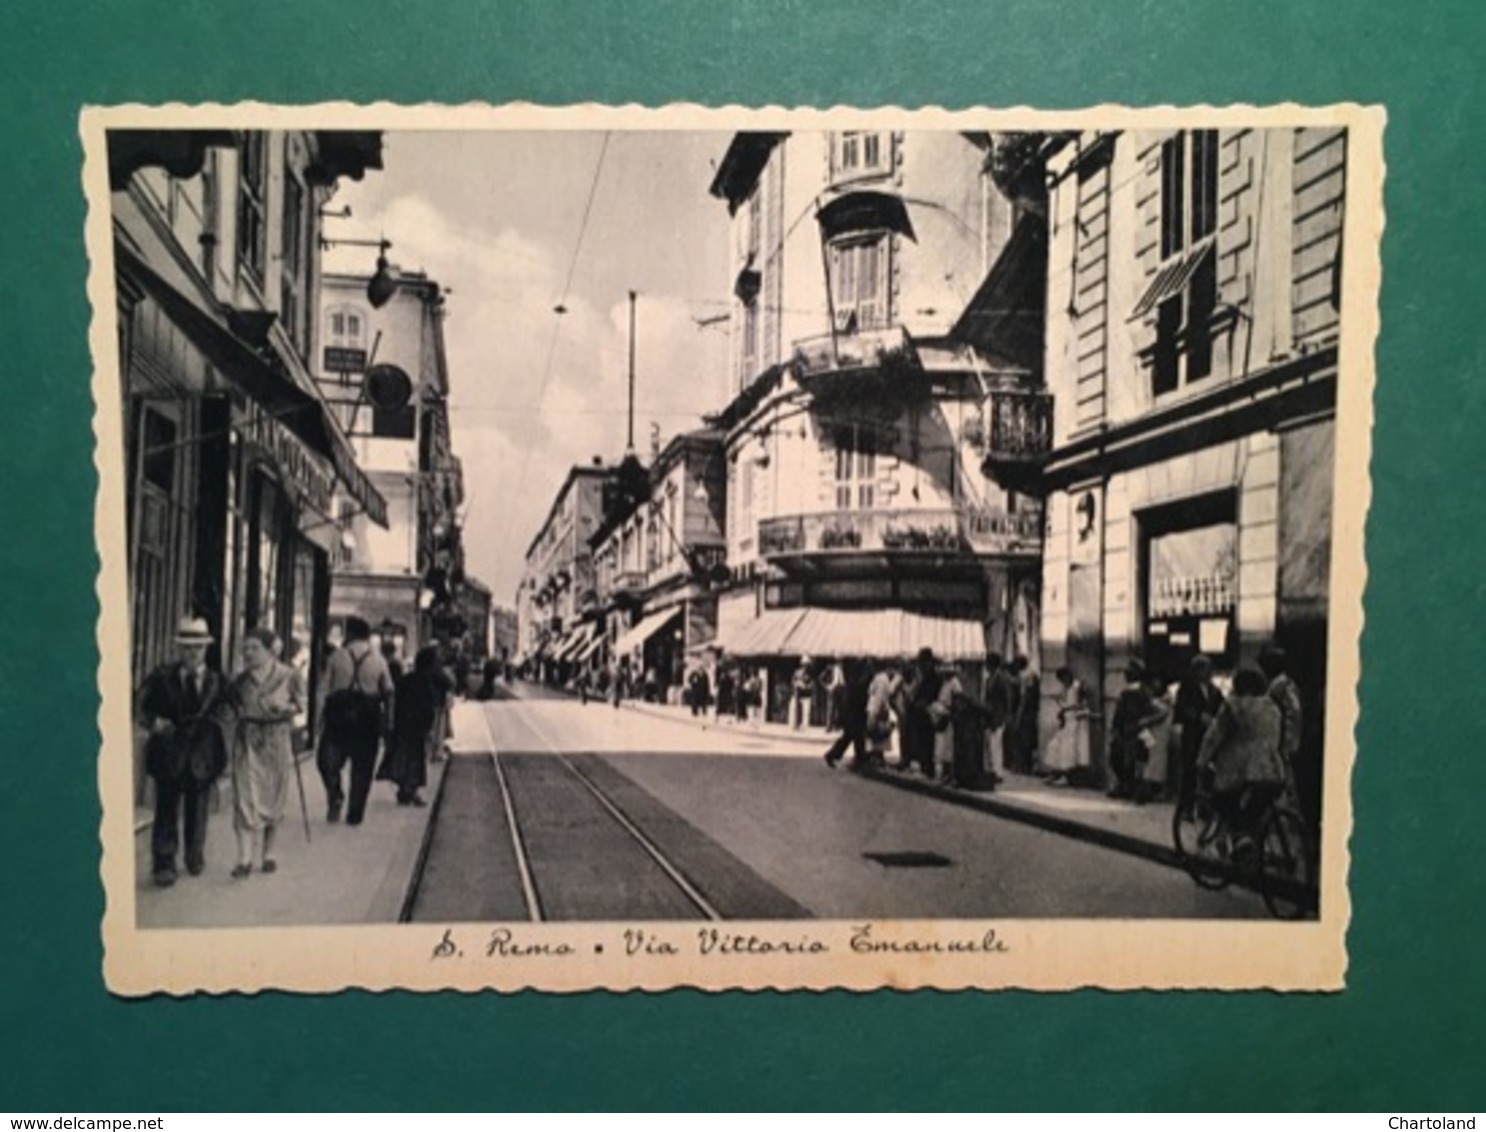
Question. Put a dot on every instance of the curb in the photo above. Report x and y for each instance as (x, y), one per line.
(818, 742)
(1053, 823)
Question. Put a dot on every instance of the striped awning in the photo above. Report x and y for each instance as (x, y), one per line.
(879, 633)
(575, 640)
(765, 635)
(592, 647)
(639, 634)
(1172, 279)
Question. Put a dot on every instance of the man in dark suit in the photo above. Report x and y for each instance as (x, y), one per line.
(181, 705)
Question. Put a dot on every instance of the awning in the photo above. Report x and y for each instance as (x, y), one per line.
(301, 412)
(576, 640)
(865, 212)
(592, 647)
(765, 635)
(647, 628)
(1172, 279)
(879, 633)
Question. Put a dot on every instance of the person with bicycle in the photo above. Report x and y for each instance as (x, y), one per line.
(1240, 764)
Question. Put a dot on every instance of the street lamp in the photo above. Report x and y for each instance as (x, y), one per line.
(382, 286)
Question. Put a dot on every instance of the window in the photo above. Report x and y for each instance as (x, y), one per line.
(295, 284)
(345, 342)
(860, 154)
(856, 468)
(1185, 291)
(251, 190)
(859, 270)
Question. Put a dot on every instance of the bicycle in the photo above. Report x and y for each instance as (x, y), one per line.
(1278, 860)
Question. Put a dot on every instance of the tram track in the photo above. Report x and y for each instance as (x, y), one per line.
(539, 835)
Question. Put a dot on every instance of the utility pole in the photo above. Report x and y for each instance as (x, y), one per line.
(630, 445)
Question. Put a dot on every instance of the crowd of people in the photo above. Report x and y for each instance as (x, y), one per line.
(202, 725)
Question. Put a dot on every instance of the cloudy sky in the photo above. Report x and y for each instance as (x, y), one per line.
(496, 218)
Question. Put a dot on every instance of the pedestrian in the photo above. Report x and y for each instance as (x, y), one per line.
(183, 707)
(835, 682)
(879, 714)
(1000, 700)
(1241, 755)
(1021, 728)
(1130, 739)
(266, 695)
(488, 677)
(1285, 693)
(415, 712)
(699, 690)
(941, 711)
(619, 674)
(854, 696)
(923, 685)
(727, 685)
(357, 694)
(802, 688)
(750, 695)
(1069, 751)
(389, 657)
(1197, 702)
(1156, 772)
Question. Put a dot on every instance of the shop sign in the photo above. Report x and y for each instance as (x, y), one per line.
(301, 471)
(344, 359)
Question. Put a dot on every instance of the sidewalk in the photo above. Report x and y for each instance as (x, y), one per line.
(1086, 815)
(342, 875)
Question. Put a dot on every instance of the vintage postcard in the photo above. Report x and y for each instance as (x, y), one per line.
(592, 547)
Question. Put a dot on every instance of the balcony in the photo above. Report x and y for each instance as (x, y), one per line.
(1016, 434)
(857, 361)
(918, 531)
(629, 581)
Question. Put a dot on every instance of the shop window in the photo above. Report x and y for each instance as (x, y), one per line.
(1184, 292)
(252, 192)
(859, 277)
(1190, 567)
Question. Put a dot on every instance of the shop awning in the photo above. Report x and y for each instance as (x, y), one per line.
(592, 647)
(885, 633)
(765, 635)
(880, 633)
(575, 640)
(647, 628)
(300, 411)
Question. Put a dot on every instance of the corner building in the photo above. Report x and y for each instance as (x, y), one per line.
(865, 396)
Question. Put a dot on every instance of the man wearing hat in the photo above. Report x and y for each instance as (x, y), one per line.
(182, 705)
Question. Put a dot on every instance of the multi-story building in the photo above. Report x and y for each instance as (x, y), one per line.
(654, 558)
(383, 368)
(556, 599)
(503, 634)
(865, 396)
(233, 456)
(1193, 299)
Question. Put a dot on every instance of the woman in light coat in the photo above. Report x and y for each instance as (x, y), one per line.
(267, 694)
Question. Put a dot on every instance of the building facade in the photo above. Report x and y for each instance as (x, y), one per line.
(233, 456)
(383, 369)
(557, 594)
(1193, 309)
(654, 560)
(865, 395)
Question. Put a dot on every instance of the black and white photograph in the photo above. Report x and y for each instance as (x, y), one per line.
(574, 548)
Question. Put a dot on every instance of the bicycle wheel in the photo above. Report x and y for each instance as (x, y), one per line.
(1200, 840)
(1287, 866)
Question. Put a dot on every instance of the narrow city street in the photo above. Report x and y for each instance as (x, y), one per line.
(621, 815)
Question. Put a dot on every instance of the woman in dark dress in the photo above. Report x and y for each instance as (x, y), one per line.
(416, 705)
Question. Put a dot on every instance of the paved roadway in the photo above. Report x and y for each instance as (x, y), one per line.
(625, 816)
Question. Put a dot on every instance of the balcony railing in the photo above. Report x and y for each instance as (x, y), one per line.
(829, 355)
(1015, 436)
(909, 531)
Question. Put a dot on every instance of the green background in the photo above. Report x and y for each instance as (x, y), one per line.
(1403, 1036)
